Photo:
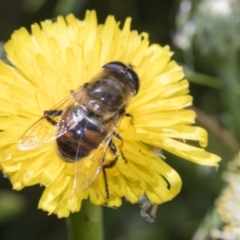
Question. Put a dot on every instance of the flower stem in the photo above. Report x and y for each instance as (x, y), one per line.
(86, 224)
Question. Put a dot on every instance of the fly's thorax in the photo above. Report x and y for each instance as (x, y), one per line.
(109, 93)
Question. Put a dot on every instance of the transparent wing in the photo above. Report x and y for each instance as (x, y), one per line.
(47, 129)
(87, 169)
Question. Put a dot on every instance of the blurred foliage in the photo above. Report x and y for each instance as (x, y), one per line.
(10, 205)
(214, 78)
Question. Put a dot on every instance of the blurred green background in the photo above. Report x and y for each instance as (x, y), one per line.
(205, 38)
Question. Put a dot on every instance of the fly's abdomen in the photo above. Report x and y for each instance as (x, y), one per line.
(79, 141)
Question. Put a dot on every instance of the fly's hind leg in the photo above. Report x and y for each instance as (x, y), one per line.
(112, 163)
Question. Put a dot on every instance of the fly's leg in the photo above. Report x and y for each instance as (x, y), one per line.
(120, 138)
(112, 163)
(106, 182)
(130, 116)
(47, 115)
(53, 113)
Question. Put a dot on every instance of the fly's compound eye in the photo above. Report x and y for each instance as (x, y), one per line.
(127, 71)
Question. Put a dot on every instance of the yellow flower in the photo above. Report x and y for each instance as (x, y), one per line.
(62, 55)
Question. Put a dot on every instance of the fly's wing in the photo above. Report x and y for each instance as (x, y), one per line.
(47, 129)
(87, 169)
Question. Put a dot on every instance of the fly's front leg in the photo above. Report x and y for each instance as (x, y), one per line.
(48, 114)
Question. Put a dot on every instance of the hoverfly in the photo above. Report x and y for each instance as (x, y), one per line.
(86, 120)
